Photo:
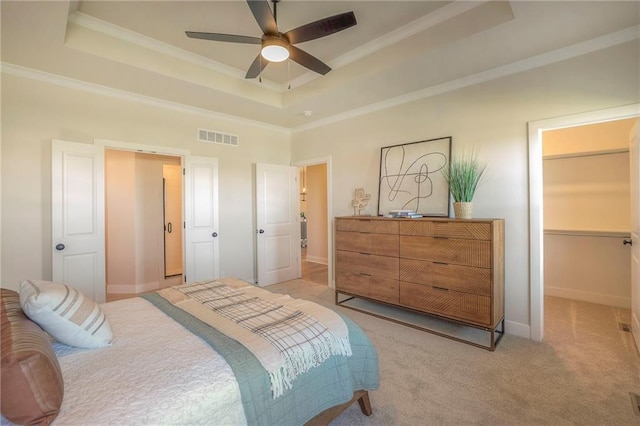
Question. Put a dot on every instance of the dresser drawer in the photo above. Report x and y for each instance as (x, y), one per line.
(450, 303)
(465, 230)
(372, 287)
(454, 277)
(381, 244)
(420, 227)
(375, 226)
(459, 252)
(378, 266)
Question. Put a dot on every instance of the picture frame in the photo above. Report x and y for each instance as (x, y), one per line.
(411, 177)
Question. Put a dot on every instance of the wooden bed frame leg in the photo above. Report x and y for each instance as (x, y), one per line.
(324, 418)
(365, 404)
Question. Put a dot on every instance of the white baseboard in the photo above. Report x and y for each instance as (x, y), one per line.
(321, 260)
(133, 288)
(517, 329)
(590, 297)
(635, 327)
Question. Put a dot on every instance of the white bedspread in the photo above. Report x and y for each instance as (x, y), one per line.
(179, 380)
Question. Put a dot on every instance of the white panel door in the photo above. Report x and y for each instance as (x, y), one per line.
(277, 218)
(201, 219)
(77, 208)
(634, 156)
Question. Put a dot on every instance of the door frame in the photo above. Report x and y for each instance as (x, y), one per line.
(536, 229)
(327, 161)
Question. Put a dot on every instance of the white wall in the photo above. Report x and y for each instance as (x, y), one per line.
(35, 112)
(491, 117)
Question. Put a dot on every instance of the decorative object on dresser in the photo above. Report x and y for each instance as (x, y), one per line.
(446, 268)
(463, 176)
(360, 201)
(411, 178)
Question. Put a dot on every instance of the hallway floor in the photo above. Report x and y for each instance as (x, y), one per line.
(314, 272)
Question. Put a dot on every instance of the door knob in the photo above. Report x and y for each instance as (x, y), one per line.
(625, 242)
(215, 234)
(59, 247)
(261, 231)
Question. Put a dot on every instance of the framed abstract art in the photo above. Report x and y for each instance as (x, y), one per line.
(411, 177)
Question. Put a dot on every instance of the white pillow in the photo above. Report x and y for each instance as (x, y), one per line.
(66, 314)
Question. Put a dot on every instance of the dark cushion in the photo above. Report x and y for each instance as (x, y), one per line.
(31, 380)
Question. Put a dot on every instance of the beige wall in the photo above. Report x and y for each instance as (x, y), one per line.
(491, 117)
(134, 221)
(611, 135)
(587, 193)
(317, 249)
(34, 113)
(120, 212)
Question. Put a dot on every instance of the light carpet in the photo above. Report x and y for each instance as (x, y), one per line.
(582, 374)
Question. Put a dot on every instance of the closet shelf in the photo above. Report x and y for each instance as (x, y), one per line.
(588, 233)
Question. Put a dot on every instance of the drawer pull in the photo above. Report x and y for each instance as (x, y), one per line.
(440, 288)
(366, 254)
(366, 275)
(440, 238)
(441, 263)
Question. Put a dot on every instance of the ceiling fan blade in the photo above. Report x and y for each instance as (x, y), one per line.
(224, 37)
(262, 12)
(308, 61)
(259, 63)
(321, 28)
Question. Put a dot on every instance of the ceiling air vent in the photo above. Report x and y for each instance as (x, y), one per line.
(210, 136)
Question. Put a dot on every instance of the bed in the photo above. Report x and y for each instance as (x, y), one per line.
(165, 359)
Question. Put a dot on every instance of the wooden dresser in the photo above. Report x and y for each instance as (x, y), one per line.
(450, 268)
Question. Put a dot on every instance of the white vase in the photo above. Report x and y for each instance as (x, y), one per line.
(463, 210)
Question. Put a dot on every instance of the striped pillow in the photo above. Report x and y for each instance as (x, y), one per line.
(66, 314)
(31, 385)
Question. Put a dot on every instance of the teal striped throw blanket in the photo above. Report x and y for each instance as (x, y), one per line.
(288, 336)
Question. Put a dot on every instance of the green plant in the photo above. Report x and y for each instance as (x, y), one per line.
(463, 176)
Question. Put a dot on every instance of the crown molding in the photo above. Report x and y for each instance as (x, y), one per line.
(57, 80)
(421, 24)
(578, 49)
(95, 24)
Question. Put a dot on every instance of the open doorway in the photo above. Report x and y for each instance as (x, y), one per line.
(143, 217)
(536, 229)
(315, 221)
(587, 219)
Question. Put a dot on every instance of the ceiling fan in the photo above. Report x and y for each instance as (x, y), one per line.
(277, 46)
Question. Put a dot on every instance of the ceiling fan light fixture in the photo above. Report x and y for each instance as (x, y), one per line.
(274, 49)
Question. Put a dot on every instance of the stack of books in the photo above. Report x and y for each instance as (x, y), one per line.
(403, 213)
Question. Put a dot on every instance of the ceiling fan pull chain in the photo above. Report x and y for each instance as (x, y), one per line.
(289, 73)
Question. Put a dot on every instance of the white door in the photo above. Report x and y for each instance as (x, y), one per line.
(634, 156)
(202, 258)
(77, 210)
(277, 219)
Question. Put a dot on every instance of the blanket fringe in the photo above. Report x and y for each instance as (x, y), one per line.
(305, 359)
